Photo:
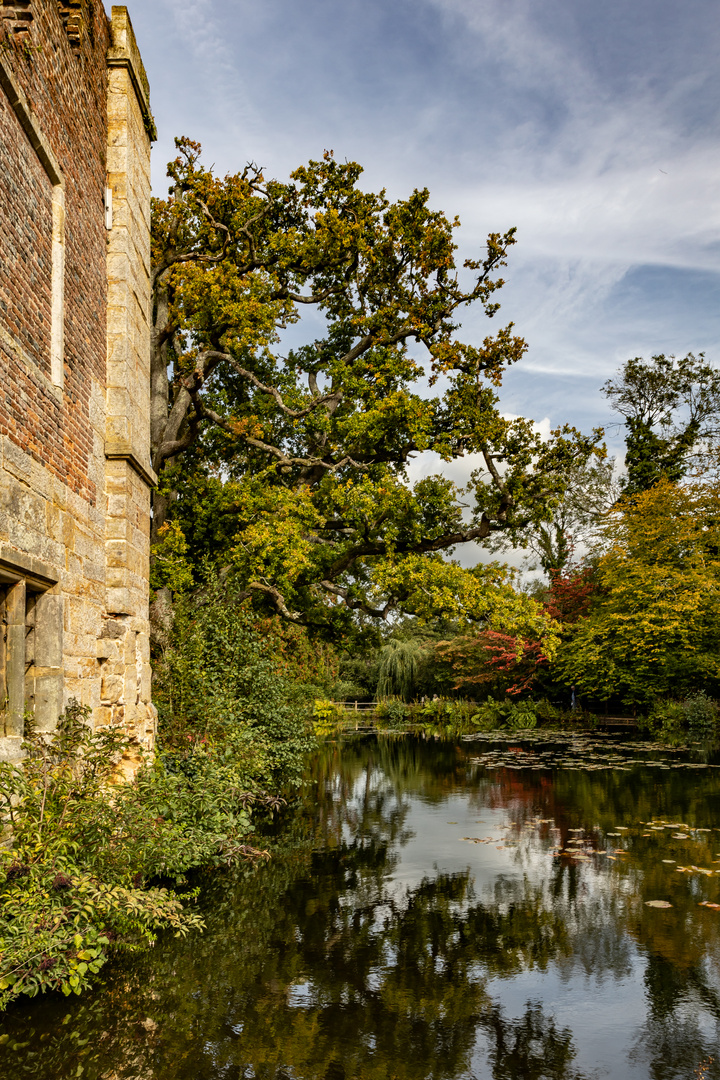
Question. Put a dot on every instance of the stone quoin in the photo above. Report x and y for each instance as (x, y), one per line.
(75, 475)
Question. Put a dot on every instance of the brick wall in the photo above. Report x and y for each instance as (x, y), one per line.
(66, 541)
(65, 87)
(26, 267)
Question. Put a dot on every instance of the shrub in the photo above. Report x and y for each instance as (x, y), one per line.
(513, 715)
(701, 712)
(220, 680)
(672, 720)
(393, 711)
(550, 714)
(444, 716)
(327, 718)
(79, 875)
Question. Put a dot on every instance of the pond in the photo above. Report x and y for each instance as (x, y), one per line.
(434, 911)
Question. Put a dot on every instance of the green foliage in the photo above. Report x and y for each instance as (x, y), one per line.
(653, 627)
(399, 668)
(513, 715)
(667, 720)
(671, 410)
(220, 682)
(672, 721)
(361, 658)
(170, 568)
(550, 715)
(444, 717)
(701, 712)
(572, 524)
(293, 468)
(327, 718)
(86, 851)
(392, 711)
(76, 878)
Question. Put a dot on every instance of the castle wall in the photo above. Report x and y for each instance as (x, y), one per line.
(74, 354)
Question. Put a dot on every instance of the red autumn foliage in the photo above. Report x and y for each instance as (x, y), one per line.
(570, 593)
(489, 656)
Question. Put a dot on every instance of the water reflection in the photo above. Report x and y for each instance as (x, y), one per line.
(380, 943)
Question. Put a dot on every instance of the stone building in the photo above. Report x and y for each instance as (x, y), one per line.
(75, 475)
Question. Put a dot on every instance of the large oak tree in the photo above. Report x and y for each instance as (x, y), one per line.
(304, 348)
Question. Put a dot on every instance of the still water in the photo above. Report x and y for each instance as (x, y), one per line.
(434, 911)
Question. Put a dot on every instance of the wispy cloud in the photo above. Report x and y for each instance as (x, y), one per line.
(592, 128)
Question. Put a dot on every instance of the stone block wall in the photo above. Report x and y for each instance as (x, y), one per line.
(75, 477)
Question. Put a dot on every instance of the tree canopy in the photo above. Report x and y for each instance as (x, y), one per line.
(672, 413)
(305, 348)
(652, 628)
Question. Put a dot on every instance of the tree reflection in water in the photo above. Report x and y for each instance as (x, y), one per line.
(324, 965)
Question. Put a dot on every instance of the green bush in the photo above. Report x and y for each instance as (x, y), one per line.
(673, 720)
(701, 713)
(393, 711)
(91, 864)
(447, 717)
(327, 717)
(83, 855)
(220, 681)
(549, 714)
(509, 714)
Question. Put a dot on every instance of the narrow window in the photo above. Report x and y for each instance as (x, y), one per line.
(31, 660)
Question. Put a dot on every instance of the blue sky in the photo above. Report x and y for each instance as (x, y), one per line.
(591, 127)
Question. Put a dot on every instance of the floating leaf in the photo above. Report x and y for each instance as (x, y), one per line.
(657, 903)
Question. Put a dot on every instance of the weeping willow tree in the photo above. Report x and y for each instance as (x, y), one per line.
(399, 668)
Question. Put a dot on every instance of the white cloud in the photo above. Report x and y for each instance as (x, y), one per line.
(597, 139)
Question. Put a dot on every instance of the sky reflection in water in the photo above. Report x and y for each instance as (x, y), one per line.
(432, 913)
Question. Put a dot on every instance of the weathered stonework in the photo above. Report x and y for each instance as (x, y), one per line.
(75, 475)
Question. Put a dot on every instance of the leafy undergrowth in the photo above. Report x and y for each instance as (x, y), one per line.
(83, 855)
